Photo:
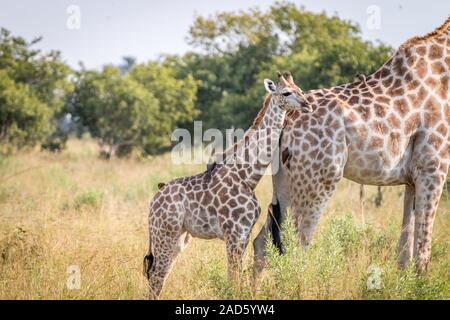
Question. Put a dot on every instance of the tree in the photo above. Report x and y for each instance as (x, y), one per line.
(176, 96)
(25, 120)
(33, 86)
(239, 49)
(114, 109)
(139, 109)
(127, 64)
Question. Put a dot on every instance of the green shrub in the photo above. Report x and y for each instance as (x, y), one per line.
(89, 198)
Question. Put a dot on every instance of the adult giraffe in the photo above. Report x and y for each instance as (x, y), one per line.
(389, 128)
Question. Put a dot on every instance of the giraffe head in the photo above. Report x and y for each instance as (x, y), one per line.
(286, 94)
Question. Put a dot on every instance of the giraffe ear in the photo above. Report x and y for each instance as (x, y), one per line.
(270, 85)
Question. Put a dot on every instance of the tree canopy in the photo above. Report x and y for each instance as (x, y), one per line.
(138, 109)
(33, 87)
(239, 49)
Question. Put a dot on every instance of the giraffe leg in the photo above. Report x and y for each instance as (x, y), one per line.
(235, 252)
(406, 242)
(429, 188)
(272, 226)
(183, 241)
(165, 250)
(280, 201)
(379, 197)
(312, 182)
(362, 203)
(308, 211)
(309, 219)
(259, 249)
(162, 252)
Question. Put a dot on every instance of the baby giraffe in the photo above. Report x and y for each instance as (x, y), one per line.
(221, 202)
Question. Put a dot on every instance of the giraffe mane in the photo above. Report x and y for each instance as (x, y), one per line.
(255, 124)
(261, 112)
(436, 32)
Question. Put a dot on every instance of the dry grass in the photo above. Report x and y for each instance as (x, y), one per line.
(74, 209)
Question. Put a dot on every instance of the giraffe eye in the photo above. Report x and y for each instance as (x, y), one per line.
(286, 94)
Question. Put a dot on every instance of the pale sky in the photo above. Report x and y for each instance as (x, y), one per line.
(147, 28)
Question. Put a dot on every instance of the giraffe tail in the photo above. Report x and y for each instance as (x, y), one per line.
(275, 219)
(148, 260)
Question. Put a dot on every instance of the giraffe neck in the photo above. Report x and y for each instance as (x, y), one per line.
(251, 156)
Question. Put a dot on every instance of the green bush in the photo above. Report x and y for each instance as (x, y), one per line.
(345, 261)
(89, 198)
(33, 86)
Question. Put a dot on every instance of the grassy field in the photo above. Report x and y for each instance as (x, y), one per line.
(73, 209)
